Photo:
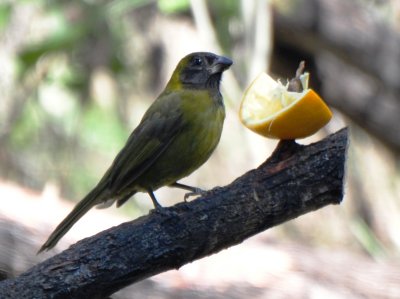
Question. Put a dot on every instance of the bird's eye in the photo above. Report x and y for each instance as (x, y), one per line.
(197, 61)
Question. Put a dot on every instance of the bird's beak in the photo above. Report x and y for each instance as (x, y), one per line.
(220, 64)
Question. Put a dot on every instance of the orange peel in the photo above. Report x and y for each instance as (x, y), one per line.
(269, 109)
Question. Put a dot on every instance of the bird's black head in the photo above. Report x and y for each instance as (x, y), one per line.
(200, 70)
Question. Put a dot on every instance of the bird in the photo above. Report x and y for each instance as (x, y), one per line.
(176, 135)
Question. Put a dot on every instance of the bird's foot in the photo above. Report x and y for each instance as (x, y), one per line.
(194, 192)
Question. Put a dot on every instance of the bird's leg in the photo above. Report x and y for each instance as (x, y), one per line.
(157, 206)
(186, 187)
(193, 190)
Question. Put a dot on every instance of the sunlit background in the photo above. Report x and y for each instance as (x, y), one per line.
(76, 77)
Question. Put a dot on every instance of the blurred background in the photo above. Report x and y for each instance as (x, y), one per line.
(76, 77)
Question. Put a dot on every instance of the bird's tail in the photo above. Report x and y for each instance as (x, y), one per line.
(93, 198)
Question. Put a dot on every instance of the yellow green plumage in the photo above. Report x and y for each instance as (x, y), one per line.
(176, 135)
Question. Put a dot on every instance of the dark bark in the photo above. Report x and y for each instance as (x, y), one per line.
(295, 180)
(353, 53)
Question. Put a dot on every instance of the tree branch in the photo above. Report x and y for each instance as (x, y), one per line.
(295, 180)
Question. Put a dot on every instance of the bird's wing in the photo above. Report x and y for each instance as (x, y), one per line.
(158, 128)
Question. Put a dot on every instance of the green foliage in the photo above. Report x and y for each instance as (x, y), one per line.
(5, 13)
(223, 12)
(25, 131)
(77, 39)
(102, 129)
(62, 126)
(62, 40)
(117, 8)
(367, 238)
(173, 6)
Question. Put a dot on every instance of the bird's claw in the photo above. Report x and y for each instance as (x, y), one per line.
(195, 192)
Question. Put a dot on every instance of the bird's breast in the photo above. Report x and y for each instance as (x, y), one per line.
(204, 125)
(203, 118)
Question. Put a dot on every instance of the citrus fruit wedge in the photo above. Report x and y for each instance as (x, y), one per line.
(269, 109)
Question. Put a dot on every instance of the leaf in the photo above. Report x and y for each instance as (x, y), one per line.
(5, 14)
(173, 6)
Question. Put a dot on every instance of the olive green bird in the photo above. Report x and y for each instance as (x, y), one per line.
(176, 135)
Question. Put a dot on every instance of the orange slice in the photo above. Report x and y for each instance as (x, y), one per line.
(269, 109)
